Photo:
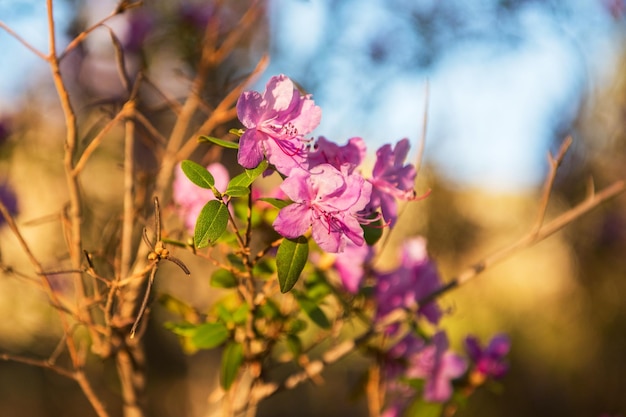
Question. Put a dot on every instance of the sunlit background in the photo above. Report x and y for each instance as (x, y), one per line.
(499, 83)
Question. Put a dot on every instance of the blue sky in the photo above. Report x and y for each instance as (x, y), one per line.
(495, 105)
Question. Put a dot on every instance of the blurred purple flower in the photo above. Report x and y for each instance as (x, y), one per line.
(190, 198)
(327, 200)
(276, 123)
(350, 265)
(9, 199)
(391, 180)
(617, 8)
(415, 279)
(414, 358)
(489, 362)
(327, 152)
(197, 15)
(437, 366)
(139, 25)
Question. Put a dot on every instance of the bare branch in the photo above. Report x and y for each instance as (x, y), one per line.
(23, 41)
(46, 364)
(555, 162)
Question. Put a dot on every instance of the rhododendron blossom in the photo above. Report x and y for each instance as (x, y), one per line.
(489, 361)
(327, 152)
(414, 279)
(350, 265)
(328, 200)
(391, 180)
(276, 123)
(190, 198)
(437, 366)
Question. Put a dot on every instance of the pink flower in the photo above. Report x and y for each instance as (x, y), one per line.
(328, 200)
(391, 180)
(276, 123)
(190, 198)
(414, 279)
(350, 265)
(327, 152)
(438, 367)
(490, 360)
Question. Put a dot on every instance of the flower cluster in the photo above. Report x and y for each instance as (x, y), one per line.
(323, 179)
(327, 195)
(414, 358)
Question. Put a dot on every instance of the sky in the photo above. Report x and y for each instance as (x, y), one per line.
(501, 86)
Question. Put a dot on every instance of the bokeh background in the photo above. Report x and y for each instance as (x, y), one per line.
(501, 82)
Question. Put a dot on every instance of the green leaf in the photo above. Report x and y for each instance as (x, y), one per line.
(181, 329)
(314, 312)
(241, 314)
(276, 202)
(248, 176)
(211, 223)
(223, 278)
(232, 358)
(221, 142)
(291, 258)
(297, 326)
(198, 174)
(237, 191)
(224, 314)
(209, 335)
(317, 286)
(176, 306)
(421, 408)
(268, 309)
(372, 232)
(294, 344)
(235, 261)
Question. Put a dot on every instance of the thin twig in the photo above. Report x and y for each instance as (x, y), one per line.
(23, 41)
(81, 36)
(554, 162)
(592, 201)
(93, 145)
(46, 364)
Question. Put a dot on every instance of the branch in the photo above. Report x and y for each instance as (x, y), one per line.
(554, 162)
(592, 201)
(40, 363)
(123, 6)
(23, 41)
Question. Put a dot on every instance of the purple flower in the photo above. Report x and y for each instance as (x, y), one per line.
(350, 265)
(276, 123)
(414, 279)
(391, 180)
(190, 198)
(327, 152)
(489, 362)
(139, 25)
(437, 366)
(328, 200)
(8, 198)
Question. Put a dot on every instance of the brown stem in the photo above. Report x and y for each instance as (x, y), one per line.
(130, 363)
(128, 222)
(555, 162)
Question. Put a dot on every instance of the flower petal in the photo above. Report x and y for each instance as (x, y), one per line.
(293, 221)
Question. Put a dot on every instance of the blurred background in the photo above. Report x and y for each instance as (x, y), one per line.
(503, 82)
